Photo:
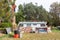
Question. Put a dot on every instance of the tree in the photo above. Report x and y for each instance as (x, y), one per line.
(4, 8)
(35, 12)
(4, 14)
(19, 14)
(55, 13)
(43, 14)
(31, 12)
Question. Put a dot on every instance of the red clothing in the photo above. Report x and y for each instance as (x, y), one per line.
(16, 35)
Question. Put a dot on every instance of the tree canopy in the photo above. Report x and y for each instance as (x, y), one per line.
(31, 12)
(55, 13)
(4, 14)
(4, 10)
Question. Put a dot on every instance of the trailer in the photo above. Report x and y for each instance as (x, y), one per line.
(37, 27)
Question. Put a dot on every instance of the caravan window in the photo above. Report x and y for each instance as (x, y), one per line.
(28, 24)
(42, 24)
(21, 25)
(34, 24)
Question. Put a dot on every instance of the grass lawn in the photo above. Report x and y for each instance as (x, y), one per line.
(34, 36)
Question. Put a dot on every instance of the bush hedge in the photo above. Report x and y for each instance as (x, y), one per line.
(5, 25)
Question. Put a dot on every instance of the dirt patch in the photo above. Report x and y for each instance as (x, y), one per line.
(1, 34)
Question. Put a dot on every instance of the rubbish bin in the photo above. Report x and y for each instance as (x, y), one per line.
(16, 34)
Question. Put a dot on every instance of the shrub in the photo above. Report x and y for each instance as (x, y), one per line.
(5, 25)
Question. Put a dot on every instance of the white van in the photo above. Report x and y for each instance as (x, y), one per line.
(36, 26)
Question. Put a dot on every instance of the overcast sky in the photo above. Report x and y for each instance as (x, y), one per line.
(45, 3)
